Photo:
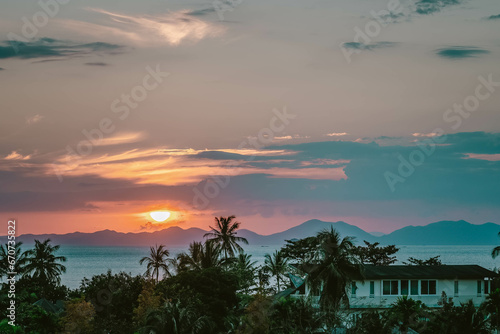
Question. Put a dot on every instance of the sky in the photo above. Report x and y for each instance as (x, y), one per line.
(381, 114)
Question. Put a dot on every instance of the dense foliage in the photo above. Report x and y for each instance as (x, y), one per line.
(377, 255)
(432, 261)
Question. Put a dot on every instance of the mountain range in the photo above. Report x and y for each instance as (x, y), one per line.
(439, 233)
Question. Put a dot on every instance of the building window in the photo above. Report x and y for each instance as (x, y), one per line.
(353, 289)
(486, 287)
(414, 287)
(390, 287)
(428, 287)
(479, 286)
(404, 287)
(456, 289)
(372, 289)
(386, 287)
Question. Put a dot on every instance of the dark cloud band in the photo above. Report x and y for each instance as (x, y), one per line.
(49, 48)
(460, 52)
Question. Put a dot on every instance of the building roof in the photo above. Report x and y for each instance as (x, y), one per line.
(423, 272)
(284, 293)
(48, 306)
(296, 280)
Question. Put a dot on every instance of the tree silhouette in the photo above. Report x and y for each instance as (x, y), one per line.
(277, 265)
(337, 265)
(496, 251)
(173, 318)
(377, 255)
(42, 263)
(244, 268)
(18, 260)
(157, 261)
(224, 235)
(200, 256)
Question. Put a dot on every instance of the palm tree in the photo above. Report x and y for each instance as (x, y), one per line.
(224, 235)
(18, 258)
(277, 265)
(42, 263)
(173, 318)
(496, 251)
(262, 280)
(200, 256)
(469, 319)
(245, 271)
(244, 262)
(295, 315)
(156, 261)
(405, 312)
(335, 267)
(492, 307)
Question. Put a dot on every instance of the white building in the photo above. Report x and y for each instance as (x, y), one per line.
(383, 285)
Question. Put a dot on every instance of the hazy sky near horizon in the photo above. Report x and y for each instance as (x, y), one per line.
(111, 110)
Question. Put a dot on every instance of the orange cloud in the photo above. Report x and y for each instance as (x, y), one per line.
(308, 173)
(176, 166)
(488, 157)
(14, 155)
(323, 162)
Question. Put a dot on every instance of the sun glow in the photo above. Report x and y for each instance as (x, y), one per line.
(160, 216)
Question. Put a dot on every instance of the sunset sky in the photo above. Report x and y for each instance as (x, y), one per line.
(275, 111)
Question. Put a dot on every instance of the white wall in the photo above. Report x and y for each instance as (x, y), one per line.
(467, 290)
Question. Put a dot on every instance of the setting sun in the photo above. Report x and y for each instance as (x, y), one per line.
(160, 216)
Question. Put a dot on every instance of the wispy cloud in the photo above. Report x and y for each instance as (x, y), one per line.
(337, 134)
(171, 28)
(418, 134)
(290, 137)
(201, 12)
(97, 64)
(426, 7)
(487, 157)
(283, 138)
(122, 138)
(34, 119)
(324, 162)
(54, 49)
(14, 155)
(312, 173)
(493, 17)
(460, 52)
(189, 166)
(369, 46)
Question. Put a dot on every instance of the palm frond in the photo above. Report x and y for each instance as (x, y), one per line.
(495, 252)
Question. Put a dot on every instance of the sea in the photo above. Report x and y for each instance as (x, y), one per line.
(86, 261)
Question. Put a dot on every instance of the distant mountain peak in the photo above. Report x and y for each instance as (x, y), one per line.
(446, 232)
(377, 234)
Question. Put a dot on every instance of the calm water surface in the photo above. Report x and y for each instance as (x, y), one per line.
(88, 261)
